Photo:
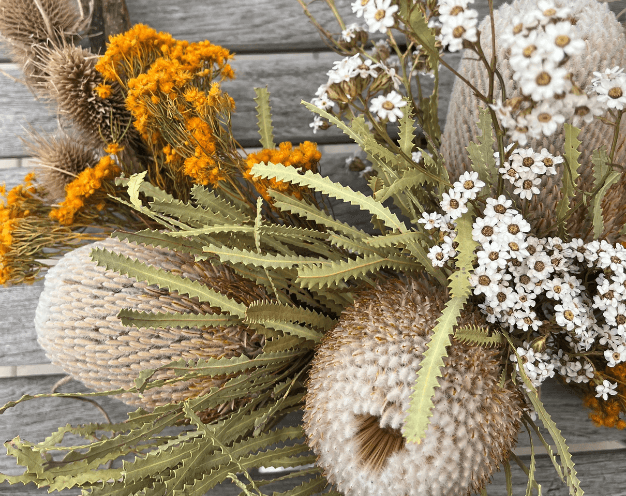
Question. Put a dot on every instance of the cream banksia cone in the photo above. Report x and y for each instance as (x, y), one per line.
(605, 47)
(77, 325)
(358, 396)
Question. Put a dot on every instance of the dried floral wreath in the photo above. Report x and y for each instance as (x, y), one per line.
(415, 352)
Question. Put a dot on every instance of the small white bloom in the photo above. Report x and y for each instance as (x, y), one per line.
(606, 389)
(323, 102)
(549, 161)
(360, 6)
(317, 123)
(526, 185)
(416, 156)
(388, 107)
(526, 51)
(548, 11)
(612, 92)
(454, 203)
(430, 220)
(367, 68)
(438, 256)
(547, 117)
(615, 355)
(350, 32)
(563, 41)
(469, 185)
(379, 17)
(485, 281)
(499, 208)
(493, 256)
(543, 81)
(459, 28)
(484, 229)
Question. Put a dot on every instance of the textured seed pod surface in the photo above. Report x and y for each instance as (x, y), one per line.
(605, 48)
(77, 325)
(358, 396)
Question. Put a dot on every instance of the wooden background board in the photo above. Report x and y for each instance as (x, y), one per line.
(277, 47)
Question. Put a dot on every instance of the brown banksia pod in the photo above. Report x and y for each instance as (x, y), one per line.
(59, 159)
(77, 324)
(359, 392)
(605, 47)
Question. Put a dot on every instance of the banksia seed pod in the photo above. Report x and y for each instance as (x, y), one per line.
(59, 159)
(605, 47)
(25, 25)
(358, 396)
(77, 325)
(71, 82)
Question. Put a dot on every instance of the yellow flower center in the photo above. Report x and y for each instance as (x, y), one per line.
(380, 14)
(562, 40)
(458, 32)
(388, 105)
(543, 79)
(616, 92)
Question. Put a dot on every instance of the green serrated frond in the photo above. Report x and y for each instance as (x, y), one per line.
(479, 336)
(407, 129)
(159, 239)
(570, 173)
(145, 320)
(165, 279)
(234, 255)
(264, 118)
(395, 239)
(184, 212)
(292, 329)
(330, 188)
(261, 311)
(307, 488)
(133, 186)
(312, 276)
(147, 189)
(219, 206)
(312, 213)
(481, 154)
(421, 405)
(596, 203)
(410, 179)
(561, 446)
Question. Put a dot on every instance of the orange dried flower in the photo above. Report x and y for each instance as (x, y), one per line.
(113, 148)
(104, 90)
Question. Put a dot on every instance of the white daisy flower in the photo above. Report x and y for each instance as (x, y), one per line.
(360, 6)
(452, 8)
(438, 256)
(514, 227)
(454, 203)
(503, 113)
(526, 51)
(484, 229)
(577, 247)
(430, 221)
(606, 389)
(499, 208)
(539, 266)
(585, 108)
(563, 41)
(526, 185)
(344, 69)
(549, 11)
(485, 281)
(317, 124)
(616, 316)
(543, 81)
(350, 32)
(323, 102)
(556, 290)
(610, 74)
(547, 117)
(459, 28)
(525, 159)
(517, 249)
(567, 315)
(549, 161)
(469, 185)
(493, 256)
(388, 107)
(379, 17)
(615, 355)
(521, 132)
(367, 68)
(612, 92)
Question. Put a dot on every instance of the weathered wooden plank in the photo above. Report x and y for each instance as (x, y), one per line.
(289, 77)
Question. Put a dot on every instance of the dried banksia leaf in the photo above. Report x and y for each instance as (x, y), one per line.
(358, 398)
(74, 84)
(59, 159)
(26, 24)
(77, 324)
(605, 47)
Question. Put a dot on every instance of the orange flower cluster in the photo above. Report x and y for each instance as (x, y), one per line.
(607, 412)
(83, 188)
(202, 166)
(305, 157)
(16, 208)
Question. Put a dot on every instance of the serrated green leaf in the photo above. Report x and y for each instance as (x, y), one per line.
(294, 330)
(395, 239)
(234, 255)
(410, 179)
(165, 279)
(146, 320)
(426, 36)
(312, 276)
(328, 187)
(407, 129)
(185, 212)
(307, 488)
(261, 311)
(479, 336)
(264, 118)
(312, 213)
(421, 405)
(120, 488)
(83, 477)
(481, 153)
(159, 239)
(529, 423)
(146, 188)
(596, 203)
(570, 173)
(561, 446)
(134, 184)
(219, 206)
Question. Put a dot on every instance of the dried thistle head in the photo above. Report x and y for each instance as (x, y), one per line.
(26, 24)
(77, 324)
(358, 396)
(60, 158)
(97, 110)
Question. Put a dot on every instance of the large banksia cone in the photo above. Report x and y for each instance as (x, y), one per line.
(77, 325)
(59, 160)
(605, 47)
(358, 396)
(26, 25)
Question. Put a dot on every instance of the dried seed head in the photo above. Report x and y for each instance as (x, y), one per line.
(77, 325)
(358, 396)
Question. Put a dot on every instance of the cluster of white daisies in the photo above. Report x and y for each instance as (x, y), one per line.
(530, 283)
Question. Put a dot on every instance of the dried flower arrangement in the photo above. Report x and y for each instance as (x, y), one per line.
(415, 352)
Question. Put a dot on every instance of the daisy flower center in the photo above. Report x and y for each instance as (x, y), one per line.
(582, 111)
(529, 50)
(528, 320)
(517, 29)
(532, 250)
(549, 12)
(380, 14)
(569, 315)
(548, 162)
(487, 231)
(484, 280)
(469, 184)
(388, 105)
(524, 280)
(458, 32)
(539, 266)
(454, 203)
(528, 161)
(616, 92)
(501, 297)
(562, 40)
(616, 260)
(557, 289)
(544, 117)
(621, 319)
(609, 295)
(522, 129)
(499, 209)
(456, 10)
(493, 256)
(511, 172)
(543, 79)
(513, 229)
(616, 356)
(514, 246)
(527, 184)
(439, 256)
(523, 298)
(364, 2)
